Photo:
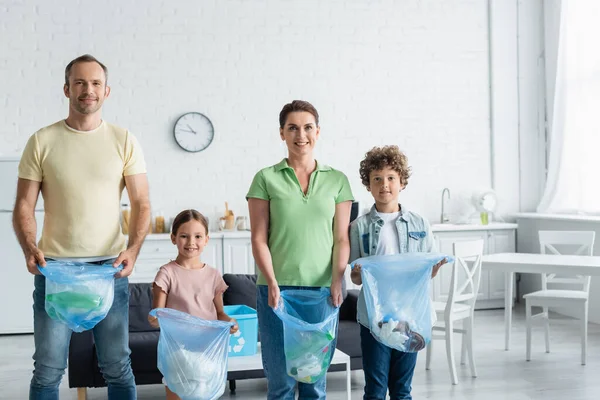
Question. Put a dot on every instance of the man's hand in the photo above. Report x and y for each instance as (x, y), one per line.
(33, 257)
(127, 259)
(437, 266)
(336, 293)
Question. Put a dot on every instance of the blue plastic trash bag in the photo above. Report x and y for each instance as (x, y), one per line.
(79, 294)
(192, 354)
(309, 327)
(396, 293)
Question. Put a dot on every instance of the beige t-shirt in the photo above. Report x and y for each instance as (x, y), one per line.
(82, 175)
(191, 290)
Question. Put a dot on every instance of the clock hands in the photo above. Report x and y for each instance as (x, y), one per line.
(189, 131)
(193, 131)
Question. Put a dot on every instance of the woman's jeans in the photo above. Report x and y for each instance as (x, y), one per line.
(111, 336)
(281, 386)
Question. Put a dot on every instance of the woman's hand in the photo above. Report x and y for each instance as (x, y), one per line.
(235, 327)
(336, 293)
(273, 294)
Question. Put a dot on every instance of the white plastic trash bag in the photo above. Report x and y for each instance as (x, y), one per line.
(192, 354)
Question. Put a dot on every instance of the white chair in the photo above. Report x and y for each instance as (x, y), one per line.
(464, 286)
(576, 300)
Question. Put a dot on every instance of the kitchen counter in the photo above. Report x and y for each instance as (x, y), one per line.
(434, 227)
(472, 227)
(212, 235)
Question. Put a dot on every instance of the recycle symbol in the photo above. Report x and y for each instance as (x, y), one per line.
(240, 342)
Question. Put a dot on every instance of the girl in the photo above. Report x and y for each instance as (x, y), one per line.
(187, 284)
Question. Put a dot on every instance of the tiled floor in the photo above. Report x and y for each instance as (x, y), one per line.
(502, 374)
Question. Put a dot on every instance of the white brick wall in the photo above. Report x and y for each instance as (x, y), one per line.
(411, 72)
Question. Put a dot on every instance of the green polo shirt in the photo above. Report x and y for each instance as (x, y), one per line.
(300, 226)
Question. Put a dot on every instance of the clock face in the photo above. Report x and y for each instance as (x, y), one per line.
(193, 132)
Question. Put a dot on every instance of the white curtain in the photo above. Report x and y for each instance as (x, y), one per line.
(573, 182)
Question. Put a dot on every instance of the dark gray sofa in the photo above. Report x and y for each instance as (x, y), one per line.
(143, 338)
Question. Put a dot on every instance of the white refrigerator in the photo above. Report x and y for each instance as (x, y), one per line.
(16, 313)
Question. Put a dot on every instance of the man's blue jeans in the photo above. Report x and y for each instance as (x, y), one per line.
(52, 345)
(281, 386)
(385, 368)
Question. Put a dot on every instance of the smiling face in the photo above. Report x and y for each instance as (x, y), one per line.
(385, 185)
(87, 88)
(190, 239)
(300, 133)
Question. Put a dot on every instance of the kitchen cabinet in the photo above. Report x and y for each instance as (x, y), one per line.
(228, 252)
(497, 238)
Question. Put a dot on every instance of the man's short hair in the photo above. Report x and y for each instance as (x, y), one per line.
(81, 59)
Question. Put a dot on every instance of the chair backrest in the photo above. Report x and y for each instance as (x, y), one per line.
(573, 243)
(466, 273)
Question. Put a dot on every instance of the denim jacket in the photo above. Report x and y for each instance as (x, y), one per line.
(414, 234)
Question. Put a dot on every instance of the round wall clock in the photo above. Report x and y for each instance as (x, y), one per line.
(193, 132)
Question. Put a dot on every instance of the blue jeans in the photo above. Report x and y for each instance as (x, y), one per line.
(385, 368)
(52, 345)
(281, 386)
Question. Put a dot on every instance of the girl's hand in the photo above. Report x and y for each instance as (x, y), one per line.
(153, 321)
(235, 327)
(273, 295)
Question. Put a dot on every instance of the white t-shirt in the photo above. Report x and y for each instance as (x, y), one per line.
(389, 242)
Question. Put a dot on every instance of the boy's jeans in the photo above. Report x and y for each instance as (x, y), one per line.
(281, 386)
(385, 368)
(52, 345)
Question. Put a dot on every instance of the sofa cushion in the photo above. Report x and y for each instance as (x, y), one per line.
(140, 304)
(348, 308)
(143, 347)
(242, 290)
(348, 339)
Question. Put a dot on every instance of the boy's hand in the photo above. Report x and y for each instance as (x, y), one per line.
(235, 327)
(437, 266)
(355, 274)
(153, 321)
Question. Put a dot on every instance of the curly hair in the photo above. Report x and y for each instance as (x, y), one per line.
(387, 156)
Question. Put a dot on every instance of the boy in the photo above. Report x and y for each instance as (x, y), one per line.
(387, 229)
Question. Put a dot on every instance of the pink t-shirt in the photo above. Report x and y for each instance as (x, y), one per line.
(191, 290)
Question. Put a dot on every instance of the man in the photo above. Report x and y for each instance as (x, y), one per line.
(81, 166)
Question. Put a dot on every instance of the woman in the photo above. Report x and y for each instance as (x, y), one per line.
(299, 214)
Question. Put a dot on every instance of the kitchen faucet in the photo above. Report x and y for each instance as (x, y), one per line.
(444, 218)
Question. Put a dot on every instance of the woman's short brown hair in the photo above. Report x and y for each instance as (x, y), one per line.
(297, 106)
(187, 216)
(387, 156)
